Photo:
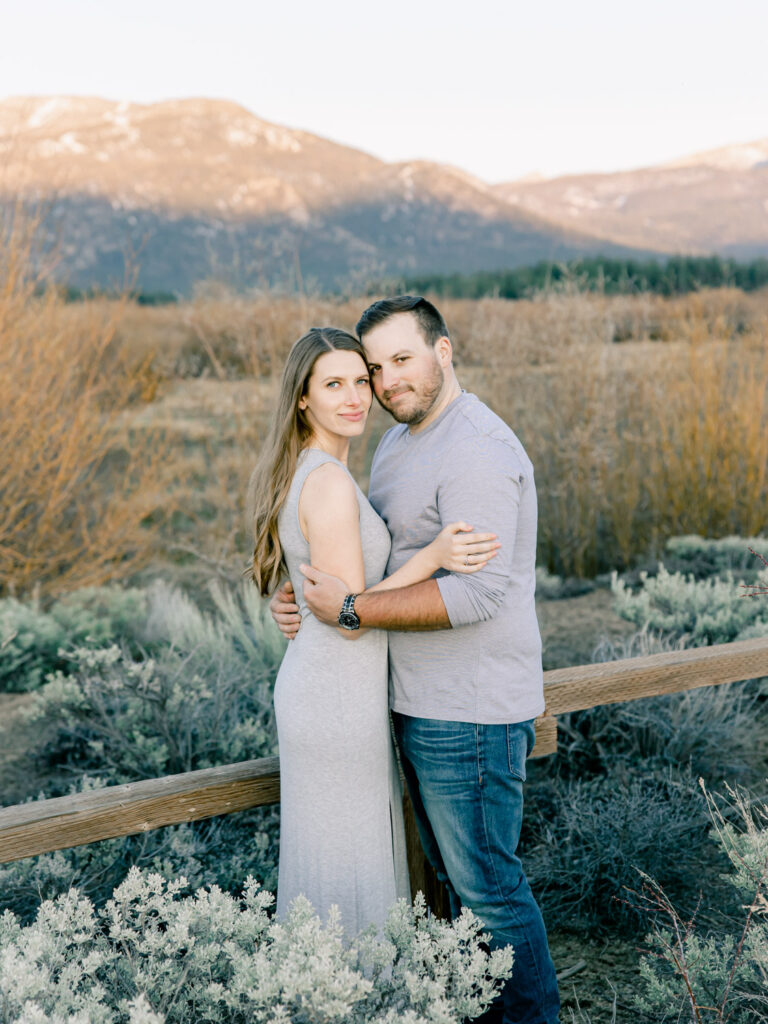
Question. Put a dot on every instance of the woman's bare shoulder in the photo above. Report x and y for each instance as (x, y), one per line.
(328, 487)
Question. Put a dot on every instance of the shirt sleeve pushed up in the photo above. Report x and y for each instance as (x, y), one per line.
(481, 482)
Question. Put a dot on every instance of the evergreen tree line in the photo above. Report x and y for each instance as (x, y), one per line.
(70, 293)
(675, 276)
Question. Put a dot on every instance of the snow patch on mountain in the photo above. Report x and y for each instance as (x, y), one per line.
(47, 110)
(741, 157)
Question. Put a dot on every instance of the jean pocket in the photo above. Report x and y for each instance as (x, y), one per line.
(520, 738)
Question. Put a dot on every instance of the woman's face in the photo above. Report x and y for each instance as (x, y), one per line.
(338, 395)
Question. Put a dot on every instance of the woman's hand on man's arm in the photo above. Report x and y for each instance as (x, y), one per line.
(457, 549)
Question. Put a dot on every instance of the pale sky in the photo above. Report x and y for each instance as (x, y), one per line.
(499, 89)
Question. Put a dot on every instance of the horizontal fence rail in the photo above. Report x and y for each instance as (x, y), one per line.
(612, 682)
(46, 825)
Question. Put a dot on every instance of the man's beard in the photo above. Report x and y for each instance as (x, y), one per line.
(425, 395)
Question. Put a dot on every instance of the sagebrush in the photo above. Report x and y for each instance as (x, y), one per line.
(158, 953)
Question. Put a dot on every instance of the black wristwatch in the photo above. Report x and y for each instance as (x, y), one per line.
(347, 617)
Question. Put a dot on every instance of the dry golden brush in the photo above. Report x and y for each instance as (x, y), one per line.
(664, 433)
(75, 486)
(645, 417)
(129, 433)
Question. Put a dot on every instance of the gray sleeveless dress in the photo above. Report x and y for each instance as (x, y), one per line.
(341, 827)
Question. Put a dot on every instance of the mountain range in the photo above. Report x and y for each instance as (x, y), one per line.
(188, 190)
(712, 202)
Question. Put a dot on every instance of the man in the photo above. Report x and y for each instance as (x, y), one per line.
(465, 652)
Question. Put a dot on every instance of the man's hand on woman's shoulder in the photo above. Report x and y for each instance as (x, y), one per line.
(285, 611)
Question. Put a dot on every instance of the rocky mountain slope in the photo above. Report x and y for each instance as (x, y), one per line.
(187, 190)
(715, 201)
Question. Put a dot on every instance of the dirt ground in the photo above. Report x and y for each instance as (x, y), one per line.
(610, 973)
(572, 627)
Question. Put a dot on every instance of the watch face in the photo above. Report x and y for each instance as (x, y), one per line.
(349, 620)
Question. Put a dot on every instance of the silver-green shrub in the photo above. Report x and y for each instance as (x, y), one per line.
(141, 719)
(552, 588)
(29, 644)
(35, 642)
(703, 556)
(240, 623)
(102, 614)
(709, 611)
(156, 953)
(588, 836)
(203, 698)
(716, 975)
(32, 640)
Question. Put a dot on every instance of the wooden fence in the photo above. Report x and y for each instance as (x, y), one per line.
(45, 825)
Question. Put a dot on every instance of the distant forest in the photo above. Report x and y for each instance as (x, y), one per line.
(675, 276)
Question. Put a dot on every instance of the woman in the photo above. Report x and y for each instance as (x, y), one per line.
(341, 831)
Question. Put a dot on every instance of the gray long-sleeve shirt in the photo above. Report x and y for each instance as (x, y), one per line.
(467, 465)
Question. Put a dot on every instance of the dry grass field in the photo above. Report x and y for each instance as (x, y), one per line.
(128, 433)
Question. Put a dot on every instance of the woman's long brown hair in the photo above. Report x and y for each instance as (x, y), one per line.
(288, 435)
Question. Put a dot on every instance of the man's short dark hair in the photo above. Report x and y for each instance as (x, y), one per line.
(428, 317)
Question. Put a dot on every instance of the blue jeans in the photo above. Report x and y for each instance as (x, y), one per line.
(466, 786)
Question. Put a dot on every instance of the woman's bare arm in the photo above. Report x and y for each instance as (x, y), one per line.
(329, 517)
(455, 548)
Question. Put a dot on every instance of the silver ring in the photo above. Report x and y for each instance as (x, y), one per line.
(466, 560)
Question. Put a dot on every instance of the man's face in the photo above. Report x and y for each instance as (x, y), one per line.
(406, 373)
